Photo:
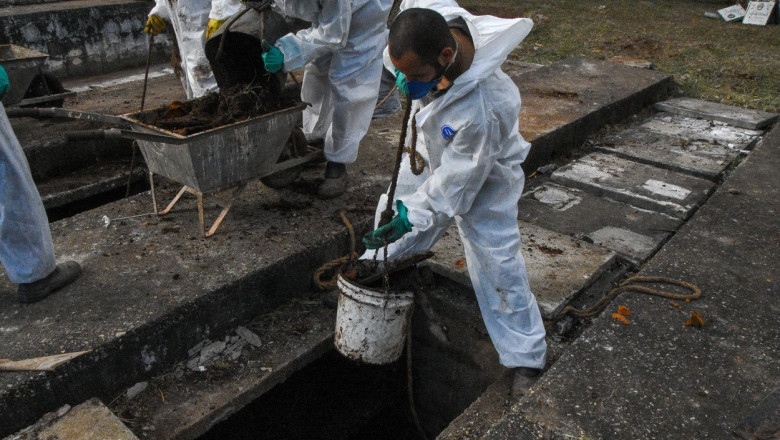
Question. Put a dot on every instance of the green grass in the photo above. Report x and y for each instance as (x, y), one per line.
(713, 60)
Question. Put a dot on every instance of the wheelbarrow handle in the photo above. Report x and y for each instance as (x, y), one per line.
(94, 134)
(115, 133)
(55, 112)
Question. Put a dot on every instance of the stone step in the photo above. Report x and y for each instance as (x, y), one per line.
(687, 155)
(736, 116)
(565, 102)
(690, 129)
(558, 266)
(637, 184)
(91, 420)
(634, 233)
(89, 182)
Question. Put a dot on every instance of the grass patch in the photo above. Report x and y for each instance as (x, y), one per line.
(730, 63)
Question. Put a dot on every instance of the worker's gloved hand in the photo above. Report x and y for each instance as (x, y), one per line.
(154, 25)
(4, 85)
(397, 228)
(400, 81)
(213, 26)
(273, 58)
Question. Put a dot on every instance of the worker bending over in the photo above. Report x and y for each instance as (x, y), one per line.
(26, 249)
(193, 22)
(466, 120)
(341, 53)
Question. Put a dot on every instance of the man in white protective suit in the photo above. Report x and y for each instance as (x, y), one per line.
(466, 120)
(193, 22)
(342, 55)
(26, 248)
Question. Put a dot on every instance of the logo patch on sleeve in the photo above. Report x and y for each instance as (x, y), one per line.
(448, 132)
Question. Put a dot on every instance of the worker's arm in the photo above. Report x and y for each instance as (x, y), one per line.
(155, 23)
(161, 9)
(466, 163)
(328, 34)
(221, 11)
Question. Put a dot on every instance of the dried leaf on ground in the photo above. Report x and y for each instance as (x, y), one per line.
(625, 311)
(621, 318)
(695, 320)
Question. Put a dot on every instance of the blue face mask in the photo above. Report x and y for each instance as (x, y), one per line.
(418, 89)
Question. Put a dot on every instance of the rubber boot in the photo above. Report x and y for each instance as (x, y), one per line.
(335, 182)
(62, 275)
(523, 380)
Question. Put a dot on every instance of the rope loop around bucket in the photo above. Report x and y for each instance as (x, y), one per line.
(330, 283)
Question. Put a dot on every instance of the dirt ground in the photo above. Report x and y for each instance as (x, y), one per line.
(711, 59)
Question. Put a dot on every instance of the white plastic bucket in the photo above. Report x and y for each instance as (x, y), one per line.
(371, 325)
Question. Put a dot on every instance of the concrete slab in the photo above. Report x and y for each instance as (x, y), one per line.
(690, 129)
(90, 420)
(656, 378)
(633, 233)
(637, 184)
(696, 157)
(564, 102)
(558, 266)
(88, 182)
(736, 116)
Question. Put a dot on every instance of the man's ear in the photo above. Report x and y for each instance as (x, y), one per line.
(445, 56)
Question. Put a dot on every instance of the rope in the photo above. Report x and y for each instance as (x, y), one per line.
(331, 283)
(629, 285)
(416, 162)
(389, 94)
(388, 213)
(409, 380)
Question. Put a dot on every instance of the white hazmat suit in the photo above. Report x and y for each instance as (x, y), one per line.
(189, 19)
(26, 248)
(470, 142)
(342, 52)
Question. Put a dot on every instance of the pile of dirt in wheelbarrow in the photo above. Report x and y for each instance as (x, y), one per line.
(232, 105)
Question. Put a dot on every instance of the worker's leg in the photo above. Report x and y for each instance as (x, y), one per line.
(26, 249)
(189, 21)
(316, 91)
(491, 240)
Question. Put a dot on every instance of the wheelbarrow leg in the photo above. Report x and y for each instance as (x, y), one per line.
(154, 192)
(225, 208)
(201, 219)
(183, 190)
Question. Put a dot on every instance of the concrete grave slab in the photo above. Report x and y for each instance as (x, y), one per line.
(558, 266)
(697, 157)
(632, 232)
(717, 132)
(89, 421)
(637, 184)
(736, 116)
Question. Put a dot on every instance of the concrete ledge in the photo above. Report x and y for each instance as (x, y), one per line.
(84, 37)
(657, 378)
(565, 102)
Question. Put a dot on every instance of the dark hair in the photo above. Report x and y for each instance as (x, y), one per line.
(422, 31)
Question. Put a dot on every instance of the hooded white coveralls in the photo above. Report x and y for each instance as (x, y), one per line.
(342, 52)
(26, 249)
(189, 19)
(472, 149)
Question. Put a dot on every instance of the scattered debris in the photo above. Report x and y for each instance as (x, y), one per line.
(732, 13)
(45, 363)
(249, 336)
(620, 318)
(136, 389)
(625, 311)
(695, 320)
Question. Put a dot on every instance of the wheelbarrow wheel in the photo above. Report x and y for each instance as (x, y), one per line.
(295, 147)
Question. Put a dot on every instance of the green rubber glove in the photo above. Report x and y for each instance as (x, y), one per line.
(273, 58)
(400, 81)
(4, 85)
(397, 228)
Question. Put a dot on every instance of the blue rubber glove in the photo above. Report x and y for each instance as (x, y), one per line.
(400, 81)
(4, 85)
(397, 228)
(273, 58)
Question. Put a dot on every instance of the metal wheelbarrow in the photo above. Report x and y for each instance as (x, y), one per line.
(24, 65)
(269, 147)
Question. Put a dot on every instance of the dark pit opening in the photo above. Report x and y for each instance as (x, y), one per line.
(337, 398)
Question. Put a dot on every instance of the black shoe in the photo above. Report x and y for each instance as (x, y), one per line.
(62, 275)
(335, 182)
(523, 380)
